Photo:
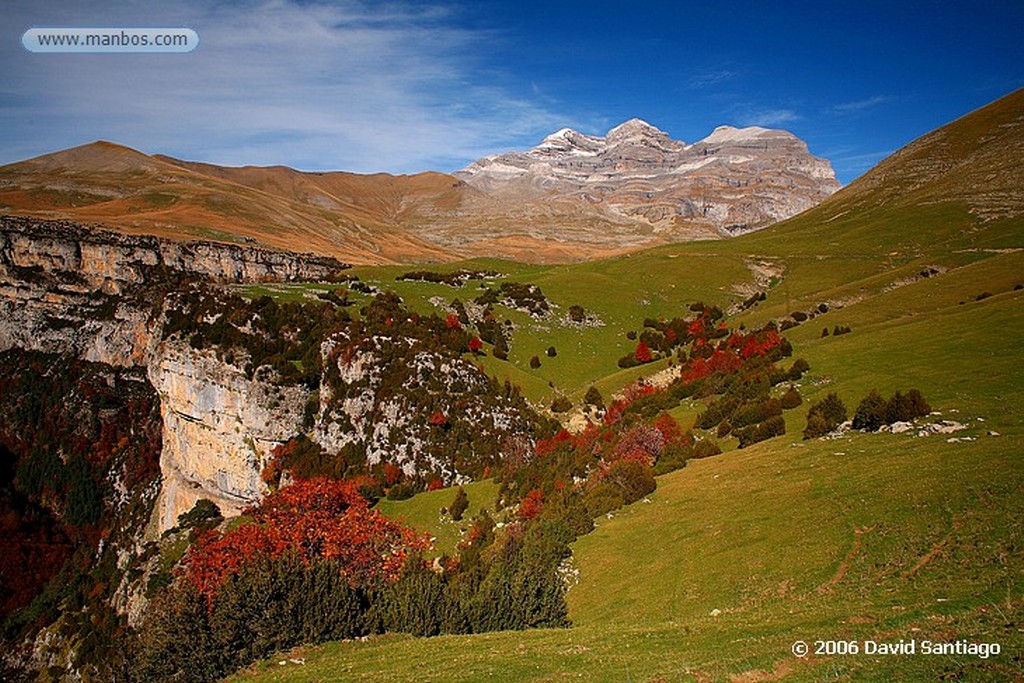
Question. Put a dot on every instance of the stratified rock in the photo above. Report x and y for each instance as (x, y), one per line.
(734, 181)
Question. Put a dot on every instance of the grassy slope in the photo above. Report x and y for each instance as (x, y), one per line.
(878, 536)
(424, 512)
(769, 536)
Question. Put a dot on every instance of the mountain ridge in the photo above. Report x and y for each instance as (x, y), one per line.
(572, 197)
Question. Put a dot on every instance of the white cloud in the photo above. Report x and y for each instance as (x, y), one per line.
(860, 105)
(767, 117)
(711, 77)
(344, 85)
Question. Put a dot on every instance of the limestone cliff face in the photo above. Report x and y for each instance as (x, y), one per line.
(99, 296)
(218, 429)
(65, 288)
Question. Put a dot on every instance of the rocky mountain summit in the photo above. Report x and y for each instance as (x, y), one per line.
(733, 181)
(572, 197)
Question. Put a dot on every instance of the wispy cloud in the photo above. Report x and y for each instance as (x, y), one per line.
(710, 77)
(860, 105)
(340, 85)
(767, 117)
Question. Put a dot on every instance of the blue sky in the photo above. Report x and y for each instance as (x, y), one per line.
(411, 86)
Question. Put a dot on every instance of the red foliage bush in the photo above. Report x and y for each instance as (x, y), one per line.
(546, 447)
(532, 504)
(641, 443)
(313, 518)
(669, 428)
(392, 474)
(642, 353)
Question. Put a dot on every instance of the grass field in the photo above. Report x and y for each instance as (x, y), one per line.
(877, 537)
(424, 512)
(880, 537)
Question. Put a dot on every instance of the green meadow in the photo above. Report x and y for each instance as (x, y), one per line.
(841, 543)
(880, 537)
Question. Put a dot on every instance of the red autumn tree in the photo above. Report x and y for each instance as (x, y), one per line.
(392, 473)
(475, 344)
(532, 504)
(669, 428)
(312, 518)
(642, 443)
(642, 353)
(452, 322)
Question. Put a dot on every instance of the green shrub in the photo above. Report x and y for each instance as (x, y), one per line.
(418, 603)
(270, 605)
(874, 411)
(603, 498)
(773, 426)
(634, 478)
(791, 399)
(459, 505)
(561, 405)
(204, 515)
(906, 407)
(403, 490)
(706, 449)
(716, 412)
(871, 412)
(825, 416)
(798, 369)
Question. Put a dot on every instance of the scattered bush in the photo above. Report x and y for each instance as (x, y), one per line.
(551, 352)
(535, 362)
(774, 426)
(791, 399)
(874, 411)
(825, 416)
(870, 414)
(594, 398)
(459, 505)
(706, 449)
(561, 405)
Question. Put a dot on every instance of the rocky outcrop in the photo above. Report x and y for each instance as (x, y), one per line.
(734, 180)
(219, 427)
(98, 295)
(66, 288)
(111, 260)
(431, 414)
